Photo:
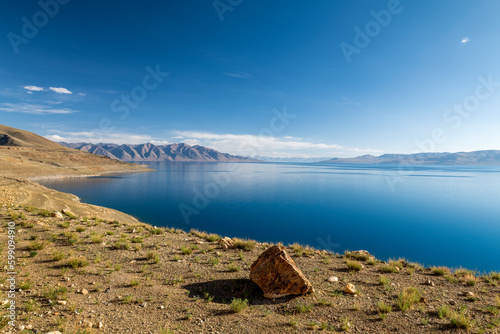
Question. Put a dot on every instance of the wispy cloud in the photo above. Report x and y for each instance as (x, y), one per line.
(60, 90)
(239, 75)
(97, 136)
(35, 109)
(465, 40)
(266, 145)
(34, 89)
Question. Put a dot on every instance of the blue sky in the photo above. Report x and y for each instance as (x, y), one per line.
(273, 78)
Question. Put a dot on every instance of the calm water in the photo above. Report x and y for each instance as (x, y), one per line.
(431, 214)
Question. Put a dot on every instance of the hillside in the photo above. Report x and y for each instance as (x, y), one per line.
(26, 155)
(489, 157)
(150, 152)
(15, 137)
(83, 274)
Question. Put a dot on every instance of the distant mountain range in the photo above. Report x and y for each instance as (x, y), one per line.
(151, 152)
(491, 157)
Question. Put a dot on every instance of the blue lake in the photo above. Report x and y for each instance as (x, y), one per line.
(435, 215)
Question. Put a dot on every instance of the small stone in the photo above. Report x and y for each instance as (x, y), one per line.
(162, 307)
(29, 326)
(54, 332)
(226, 243)
(452, 302)
(100, 325)
(85, 292)
(469, 294)
(57, 214)
(144, 304)
(61, 302)
(21, 327)
(66, 279)
(431, 283)
(333, 279)
(350, 288)
(133, 261)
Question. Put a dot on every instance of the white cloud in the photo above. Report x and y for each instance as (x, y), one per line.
(266, 145)
(239, 75)
(159, 142)
(60, 90)
(82, 94)
(34, 88)
(465, 40)
(35, 109)
(97, 136)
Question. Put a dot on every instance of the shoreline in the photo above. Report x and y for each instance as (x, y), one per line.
(75, 176)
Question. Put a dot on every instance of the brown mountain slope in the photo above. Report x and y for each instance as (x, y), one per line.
(26, 155)
(15, 137)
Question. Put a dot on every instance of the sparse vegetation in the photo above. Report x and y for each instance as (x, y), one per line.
(186, 250)
(443, 311)
(383, 308)
(77, 262)
(460, 320)
(353, 265)
(233, 267)
(246, 245)
(407, 298)
(238, 305)
(441, 271)
(303, 307)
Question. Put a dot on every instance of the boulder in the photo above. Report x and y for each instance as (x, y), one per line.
(277, 275)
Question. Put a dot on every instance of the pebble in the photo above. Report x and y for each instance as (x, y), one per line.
(85, 292)
(350, 288)
(333, 279)
(61, 302)
(452, 302)
(431, 283)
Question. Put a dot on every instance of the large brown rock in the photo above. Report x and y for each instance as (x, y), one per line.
(277, 275)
